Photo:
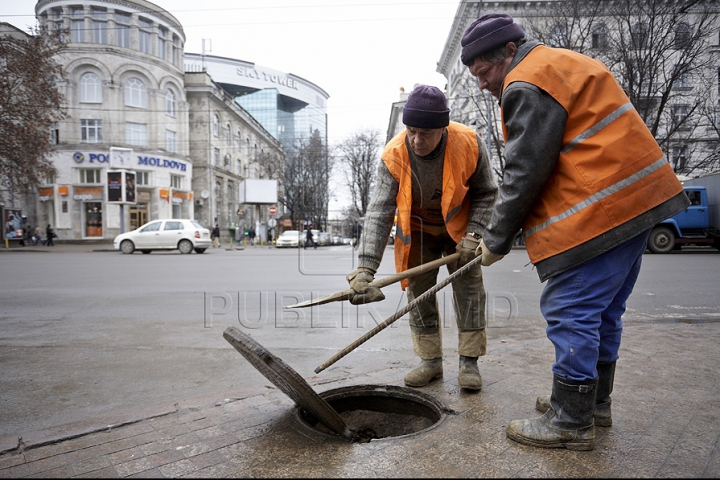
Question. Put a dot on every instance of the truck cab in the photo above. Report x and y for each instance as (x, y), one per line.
(691, 226)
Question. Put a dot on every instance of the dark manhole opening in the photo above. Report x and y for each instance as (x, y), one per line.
(373, 412)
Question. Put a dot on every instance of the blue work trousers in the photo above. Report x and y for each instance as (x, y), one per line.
(583, 308)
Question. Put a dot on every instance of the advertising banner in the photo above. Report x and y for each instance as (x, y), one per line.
(121, 187)
(13, 223)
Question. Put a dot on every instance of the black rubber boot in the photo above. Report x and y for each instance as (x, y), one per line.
(568, 423)
(603, 402)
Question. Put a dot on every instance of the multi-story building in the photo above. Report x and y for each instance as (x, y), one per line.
(124, 87)
(228, 159)
(288, 106)
(672, 47)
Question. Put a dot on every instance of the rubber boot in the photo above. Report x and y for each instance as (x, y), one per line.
(469, 375)
(429, 349)
(568, 423)
(603, 402)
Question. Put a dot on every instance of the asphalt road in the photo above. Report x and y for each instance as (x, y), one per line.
(88, 333)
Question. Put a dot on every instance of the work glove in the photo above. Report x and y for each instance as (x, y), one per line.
(360, 281)
(468, 248)
(488, 257)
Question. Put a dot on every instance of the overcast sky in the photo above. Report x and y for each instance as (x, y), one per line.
(361, 52)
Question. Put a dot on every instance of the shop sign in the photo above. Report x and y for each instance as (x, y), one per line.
(162, 162)
(63, 190)
(87, 193)
(44, 194)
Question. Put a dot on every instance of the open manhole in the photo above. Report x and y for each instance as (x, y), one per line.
(357, 413)
(373, 412)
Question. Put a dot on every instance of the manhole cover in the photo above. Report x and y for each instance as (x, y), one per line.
(358, 413)
(287, 380)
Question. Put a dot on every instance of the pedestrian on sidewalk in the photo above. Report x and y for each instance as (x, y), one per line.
(49, 236)
(436, 174)
(215, 235)
(585, 180)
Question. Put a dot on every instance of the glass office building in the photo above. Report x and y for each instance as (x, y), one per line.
(289, 107)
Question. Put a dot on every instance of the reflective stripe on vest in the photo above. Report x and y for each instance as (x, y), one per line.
(610, 168)
(459, 163)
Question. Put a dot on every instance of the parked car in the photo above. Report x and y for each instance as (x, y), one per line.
(336, 240)
(289, 238)
(184, 235)
(324, 238)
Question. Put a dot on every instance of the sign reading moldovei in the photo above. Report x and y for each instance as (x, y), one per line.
(79, 157)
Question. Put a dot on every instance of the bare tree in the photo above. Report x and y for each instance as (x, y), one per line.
(30, 104)
(306, 181)
(359, 155)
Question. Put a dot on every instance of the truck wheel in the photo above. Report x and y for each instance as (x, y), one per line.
(662, 240)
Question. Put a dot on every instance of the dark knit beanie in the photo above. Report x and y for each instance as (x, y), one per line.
(426, 107)
(488, 33)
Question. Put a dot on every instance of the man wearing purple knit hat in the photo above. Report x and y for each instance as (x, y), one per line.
(435, 176)
(584, 180)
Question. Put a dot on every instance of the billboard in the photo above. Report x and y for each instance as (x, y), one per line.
(121, 187)
(257, 191)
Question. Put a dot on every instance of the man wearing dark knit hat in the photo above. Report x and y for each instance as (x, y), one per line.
(584, 180)
(435, 174)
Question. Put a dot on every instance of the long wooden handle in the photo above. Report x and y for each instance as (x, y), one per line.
(462, 270)
(380, 283)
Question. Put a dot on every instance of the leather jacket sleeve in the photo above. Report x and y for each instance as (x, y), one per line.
(535, 125)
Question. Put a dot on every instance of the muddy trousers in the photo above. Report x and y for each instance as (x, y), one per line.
(468, 299)
(583, 307)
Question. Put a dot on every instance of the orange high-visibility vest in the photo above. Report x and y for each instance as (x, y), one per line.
(459, 163)
(610, 168)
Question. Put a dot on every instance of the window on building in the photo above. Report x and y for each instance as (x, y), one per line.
(90, 131)
(217, 191)
(90, 88)
(176, 52)
(142, 178)
(77, 31)
(176, 181)
(169, 102)
(54, 134)
(122, 29)
(226, 134)
(228, 161)
(639, 36)
(135, 93)
(99, 19)
(89, 175)
(683, 79)
(238, 142)
(144, 35)
(216, 157)
(230, 214)
(230, 189)
(600, 36)
(136, 134)
(679, 158)
(238, 166)
(683, 33)
(60, 27)
(680, 115)
(170, 141)
(216, 125)
(162, 42)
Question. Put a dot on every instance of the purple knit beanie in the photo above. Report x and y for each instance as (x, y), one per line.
(488, 33)
(426, 107)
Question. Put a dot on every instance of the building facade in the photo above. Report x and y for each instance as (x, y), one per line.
(124, 88)
(228, 146)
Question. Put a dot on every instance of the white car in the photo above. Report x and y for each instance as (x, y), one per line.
(289, 238)
(170, 234)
